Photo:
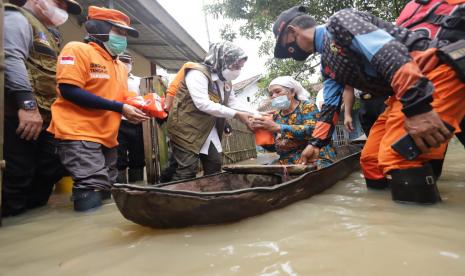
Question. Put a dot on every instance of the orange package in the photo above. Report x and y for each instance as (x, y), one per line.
(152, 104)
(263, 137)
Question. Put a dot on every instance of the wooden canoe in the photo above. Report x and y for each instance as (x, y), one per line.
(225, 197)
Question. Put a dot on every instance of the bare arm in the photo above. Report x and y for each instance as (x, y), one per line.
(348, 98)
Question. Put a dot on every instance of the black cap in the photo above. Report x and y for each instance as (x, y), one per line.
(73, 7)
(280, 25)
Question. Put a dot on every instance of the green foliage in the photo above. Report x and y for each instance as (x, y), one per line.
(256, 18)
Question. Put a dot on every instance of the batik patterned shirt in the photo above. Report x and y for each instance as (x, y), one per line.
(361, 50)
(296, 132)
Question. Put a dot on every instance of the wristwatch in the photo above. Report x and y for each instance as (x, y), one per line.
(28, 105)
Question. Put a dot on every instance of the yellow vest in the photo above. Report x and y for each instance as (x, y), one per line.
(41, 63)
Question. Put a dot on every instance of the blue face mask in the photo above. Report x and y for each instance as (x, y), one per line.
(116, 44)
(281, 103)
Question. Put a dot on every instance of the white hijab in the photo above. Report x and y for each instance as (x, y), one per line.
(291, 83)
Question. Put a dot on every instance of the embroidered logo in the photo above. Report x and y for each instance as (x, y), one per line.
(68, 60)
(98, 71)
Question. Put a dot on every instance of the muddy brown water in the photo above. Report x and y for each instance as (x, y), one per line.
(347, 230)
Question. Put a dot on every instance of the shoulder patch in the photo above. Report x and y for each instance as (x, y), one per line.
(67, 60)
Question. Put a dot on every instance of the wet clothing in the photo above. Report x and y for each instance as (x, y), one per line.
(91, 165)
(91, 79)
(202, 103)
(187, 163)
(378, 158)
(33, 167)
(361, 50)
(296, 130)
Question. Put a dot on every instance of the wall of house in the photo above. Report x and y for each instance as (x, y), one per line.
(248, 94)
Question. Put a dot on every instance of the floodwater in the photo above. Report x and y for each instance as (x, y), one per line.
(347, 230)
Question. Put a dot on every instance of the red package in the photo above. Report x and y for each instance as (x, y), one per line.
(152, 104)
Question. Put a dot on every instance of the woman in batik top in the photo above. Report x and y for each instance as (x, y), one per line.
(293, 122)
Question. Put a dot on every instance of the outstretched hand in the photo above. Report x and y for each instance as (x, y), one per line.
(133, 114)
(266, 123)
(245, 118)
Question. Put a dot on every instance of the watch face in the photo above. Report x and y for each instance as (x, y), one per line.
(29, 105)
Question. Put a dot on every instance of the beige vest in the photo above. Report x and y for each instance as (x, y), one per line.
(188, 127)
(41, 63)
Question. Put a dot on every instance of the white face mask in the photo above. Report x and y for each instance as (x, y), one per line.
(50, 10)
(230, 75)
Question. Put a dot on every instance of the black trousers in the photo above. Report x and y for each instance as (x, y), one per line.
(370, 111)
(32, 169)
(131, 146)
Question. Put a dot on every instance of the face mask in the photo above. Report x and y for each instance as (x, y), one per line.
(230, 75)
(56, 15)
(116, 44)
(296, 52)
(281, 103)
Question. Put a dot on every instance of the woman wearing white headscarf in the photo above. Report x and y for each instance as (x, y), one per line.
(293, 123)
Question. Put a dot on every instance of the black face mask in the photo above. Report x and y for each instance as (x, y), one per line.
(295, 52)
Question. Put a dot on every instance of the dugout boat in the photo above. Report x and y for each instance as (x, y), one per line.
(238, 193)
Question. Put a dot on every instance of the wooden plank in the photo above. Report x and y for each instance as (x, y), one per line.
(148, 135)
(2, 103)
(155, 146)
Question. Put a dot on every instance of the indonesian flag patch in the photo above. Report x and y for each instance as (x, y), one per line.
(67, 60)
